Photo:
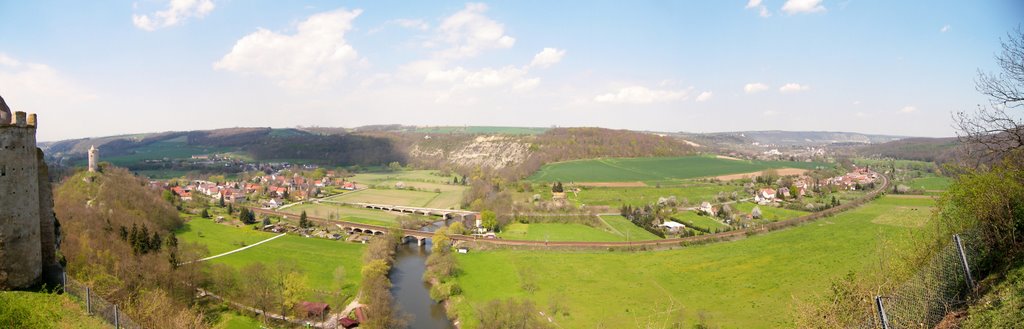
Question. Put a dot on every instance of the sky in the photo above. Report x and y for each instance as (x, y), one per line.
(100, 68)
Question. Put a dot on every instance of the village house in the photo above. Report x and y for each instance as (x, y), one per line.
(765, 196)
(706, 208)
(672, 226)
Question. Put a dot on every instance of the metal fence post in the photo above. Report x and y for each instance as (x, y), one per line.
(881, 313)
(88, 301)
(117, 318)
(963, 262)
(64, 282)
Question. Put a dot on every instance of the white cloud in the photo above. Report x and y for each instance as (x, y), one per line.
(793, 87)
(316, 55)
(642, 95)
(756, 4)
(945, 28)
(37, 84)
(468, 32)
(705, 96)
(417, 24)
(802, 6)
(751, 88)
(908, 109)
(547, 57)
(177, 12)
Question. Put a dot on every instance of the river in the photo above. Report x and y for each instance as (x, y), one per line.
(412, 295)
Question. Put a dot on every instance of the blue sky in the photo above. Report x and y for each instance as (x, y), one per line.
(117, 67)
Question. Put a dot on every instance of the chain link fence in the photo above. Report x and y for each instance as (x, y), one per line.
(943, 285)
(96, 305)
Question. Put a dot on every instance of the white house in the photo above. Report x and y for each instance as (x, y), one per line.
(672, 226)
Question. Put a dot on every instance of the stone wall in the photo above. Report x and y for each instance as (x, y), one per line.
(20, 244)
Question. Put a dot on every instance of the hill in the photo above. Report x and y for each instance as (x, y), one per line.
(920, 149)
(654, 169)
(793, 138)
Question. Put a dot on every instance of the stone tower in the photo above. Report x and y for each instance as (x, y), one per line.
(27, 223)
(94, 158)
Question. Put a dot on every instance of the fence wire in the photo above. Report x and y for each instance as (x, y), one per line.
(98, 306)
(939, 287)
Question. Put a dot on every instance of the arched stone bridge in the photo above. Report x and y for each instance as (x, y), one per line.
(407, 234)
(461, 215)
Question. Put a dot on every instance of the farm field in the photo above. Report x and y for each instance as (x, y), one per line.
(749, 283)
(339, 212)
(390, 197)
(654, 169)
(407, 176)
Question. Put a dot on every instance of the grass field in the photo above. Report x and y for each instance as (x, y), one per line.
(20, 309)
(931, 183)
(231, 320)
(334, 211)
(407, 176)
(623, 227)
(218, 238)
(637, 196)
(556, 232)
(389, 197)
(769, 213)
(318, 258)
(750, 283)
(654, 169)
(703, 222)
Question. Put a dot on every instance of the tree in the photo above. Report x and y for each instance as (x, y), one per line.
(303, 221)
(457, 228)
(205, 213)
(295, 287)
(221, 202)
(394, 166)
(169, 196)
(489, 220)
(993, 128)
(557, 187)
(756, 212)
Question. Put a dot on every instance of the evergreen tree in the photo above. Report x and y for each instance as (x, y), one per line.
(144, 240)
(222, 200)
(205, 213)
(172, 241)
(155, 243)
(134, 238)
(123, 233)
(231, 209)
(303, 220)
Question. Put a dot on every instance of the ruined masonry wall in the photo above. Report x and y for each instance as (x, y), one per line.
(20, 252)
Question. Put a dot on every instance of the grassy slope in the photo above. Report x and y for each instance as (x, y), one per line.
(1001, 307)
(557, 232)
(653, 169)
(317, 257)
(749, 283)
(769, 213)
(41, 310)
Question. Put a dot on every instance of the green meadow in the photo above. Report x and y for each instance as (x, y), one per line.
(931, 183)
(749, 283)
(655, 169)
(318, 258)
(618, 229)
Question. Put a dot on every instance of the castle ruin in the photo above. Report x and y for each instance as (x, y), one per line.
(28, 226)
